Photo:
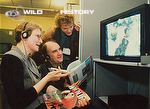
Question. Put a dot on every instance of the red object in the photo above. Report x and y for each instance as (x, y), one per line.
(69, 101)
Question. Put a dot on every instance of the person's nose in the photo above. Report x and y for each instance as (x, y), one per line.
(40, 40)
(60, 52)
(69, 30)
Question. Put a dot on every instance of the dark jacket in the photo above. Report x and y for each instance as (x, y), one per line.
(74, 42)
(44, 69)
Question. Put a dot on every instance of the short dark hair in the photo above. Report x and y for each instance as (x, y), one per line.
(44, 49)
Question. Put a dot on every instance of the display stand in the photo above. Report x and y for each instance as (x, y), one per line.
(113, 79)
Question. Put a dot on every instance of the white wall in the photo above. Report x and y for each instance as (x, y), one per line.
(90, 30)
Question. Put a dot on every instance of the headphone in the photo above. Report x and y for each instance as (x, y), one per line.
(25, 33)
(44, 52)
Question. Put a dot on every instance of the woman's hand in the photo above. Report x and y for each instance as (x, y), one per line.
(51, 76)
(56, 75)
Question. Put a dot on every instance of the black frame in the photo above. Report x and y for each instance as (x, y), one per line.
(144, 10)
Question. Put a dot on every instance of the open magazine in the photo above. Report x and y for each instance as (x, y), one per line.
(80, 71)
(68, 99)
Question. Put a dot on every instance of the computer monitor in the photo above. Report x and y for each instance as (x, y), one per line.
(125, 37)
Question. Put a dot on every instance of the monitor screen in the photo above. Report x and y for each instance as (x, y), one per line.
(123, 37)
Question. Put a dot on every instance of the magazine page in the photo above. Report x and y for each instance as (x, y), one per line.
(66, 99)
(80, 71)
(73, 65)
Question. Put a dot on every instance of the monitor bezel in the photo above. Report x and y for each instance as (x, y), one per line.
(144, 49)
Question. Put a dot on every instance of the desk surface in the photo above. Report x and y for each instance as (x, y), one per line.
(121, 63)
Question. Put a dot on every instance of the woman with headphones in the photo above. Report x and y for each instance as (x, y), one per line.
(21, 79)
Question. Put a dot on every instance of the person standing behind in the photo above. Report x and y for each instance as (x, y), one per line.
(20, 77)
(66, 35)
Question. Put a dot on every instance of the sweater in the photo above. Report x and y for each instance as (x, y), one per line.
(17, 81)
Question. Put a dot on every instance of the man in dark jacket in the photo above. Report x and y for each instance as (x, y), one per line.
(53, 59)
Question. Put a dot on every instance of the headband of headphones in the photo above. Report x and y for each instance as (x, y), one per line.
(25, 33)
(22, 32)
(44, 52)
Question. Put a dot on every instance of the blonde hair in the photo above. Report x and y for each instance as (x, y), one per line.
(25, 27)
(64, 19)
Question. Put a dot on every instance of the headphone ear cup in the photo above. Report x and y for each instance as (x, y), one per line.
(17, 36)
(24, 34)
(47, 57)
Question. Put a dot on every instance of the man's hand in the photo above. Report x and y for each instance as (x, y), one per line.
(77, 26)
